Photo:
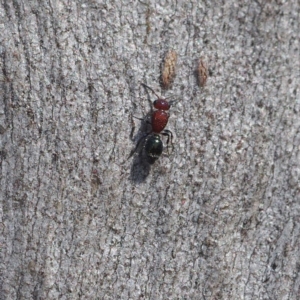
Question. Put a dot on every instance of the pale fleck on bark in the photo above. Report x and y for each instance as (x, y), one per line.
(218, 218)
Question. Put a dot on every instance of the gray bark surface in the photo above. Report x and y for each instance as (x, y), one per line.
(218, 218)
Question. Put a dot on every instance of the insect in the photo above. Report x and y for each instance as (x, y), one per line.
(159, 119)
(154, 146)
(202, 73)
(168, 71)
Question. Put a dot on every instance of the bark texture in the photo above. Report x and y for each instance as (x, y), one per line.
(219, 218)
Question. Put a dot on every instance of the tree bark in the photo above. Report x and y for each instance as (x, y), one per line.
(216, 218)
